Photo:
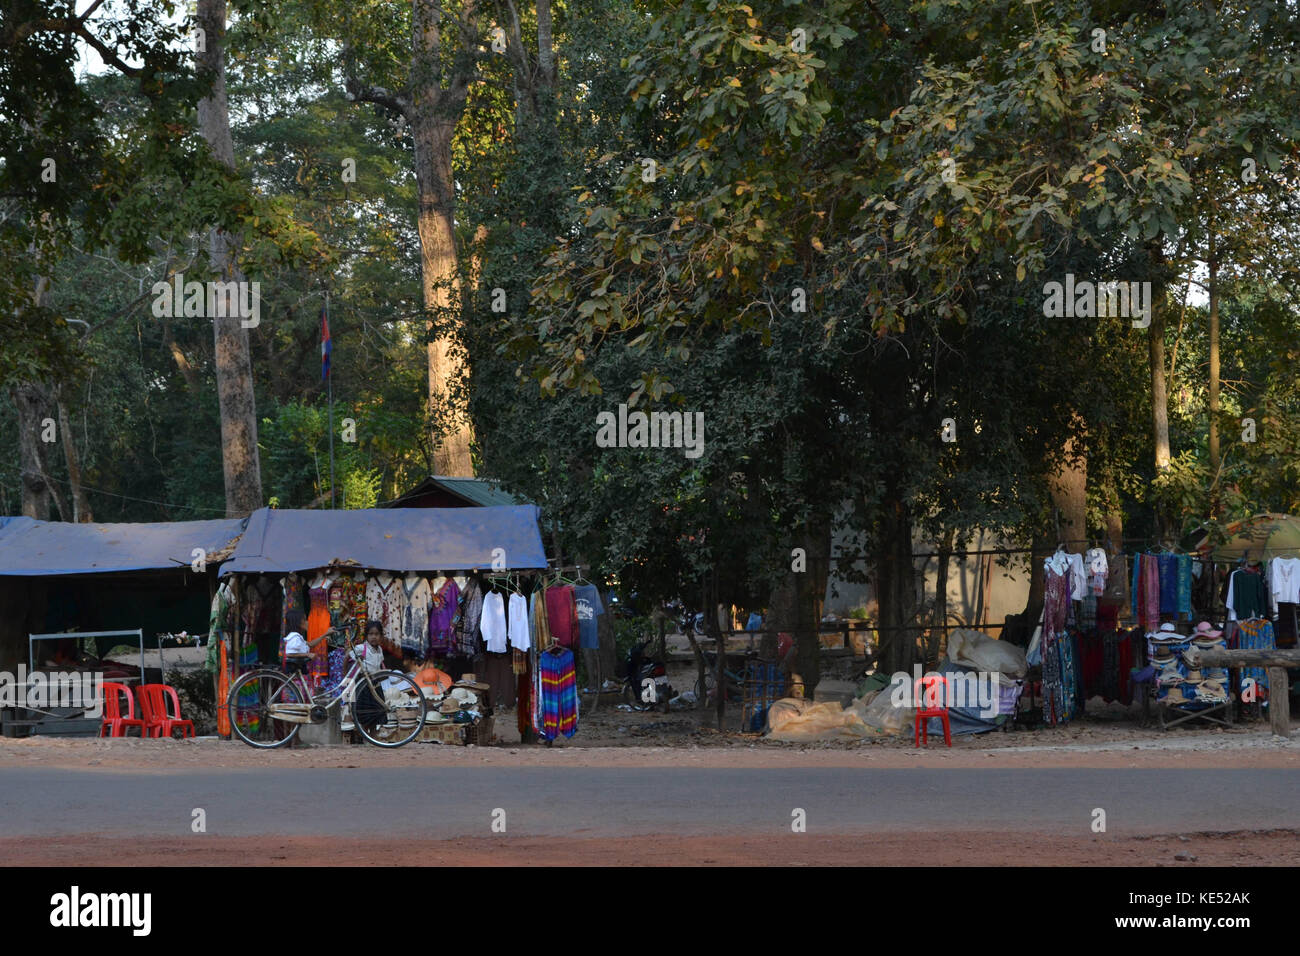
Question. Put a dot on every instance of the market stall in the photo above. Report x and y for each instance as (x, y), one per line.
(463, 598)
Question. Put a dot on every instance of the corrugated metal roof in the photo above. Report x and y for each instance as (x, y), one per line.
(479, 491)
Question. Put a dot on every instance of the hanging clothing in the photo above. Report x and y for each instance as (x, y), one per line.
(1098, 569)
(562, 615)
(1247, 596)
(1056, 599)
(1168, 571)
(443, 604)
(559, 693)
(415, 616)
(354, 603)
(465, 628)
(518, 629)
(1255, 635)
(1184, 585)
(586, 598)
(294, 599)
(1284, 581)
(1055, 644)
(537, 614)
(260, 604)
(492, 623)
(318, 622)
(385, 598)
(523, 697)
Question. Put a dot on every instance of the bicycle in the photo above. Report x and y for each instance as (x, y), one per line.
(388, 707)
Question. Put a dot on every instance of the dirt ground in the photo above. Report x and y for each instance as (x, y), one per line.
(621, 739)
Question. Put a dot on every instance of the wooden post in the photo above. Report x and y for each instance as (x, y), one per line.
(1276, 662)
(1279, 702)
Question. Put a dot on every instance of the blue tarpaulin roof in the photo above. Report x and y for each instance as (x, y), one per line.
(31, 547)
(390, 539)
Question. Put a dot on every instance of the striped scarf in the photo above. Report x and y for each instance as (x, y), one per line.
(559, 694)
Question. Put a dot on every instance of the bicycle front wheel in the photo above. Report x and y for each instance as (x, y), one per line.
(259, 703)
(393, 713)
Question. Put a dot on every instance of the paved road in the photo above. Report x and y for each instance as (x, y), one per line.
(458, 802)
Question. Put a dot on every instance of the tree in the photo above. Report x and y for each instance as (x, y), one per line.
(240, 464)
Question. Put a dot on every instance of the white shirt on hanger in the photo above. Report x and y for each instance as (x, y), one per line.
(492, 625)
(1284, 581)
(520, 637)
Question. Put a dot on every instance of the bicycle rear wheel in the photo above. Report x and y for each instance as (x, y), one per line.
(254, 702)
(391, 716)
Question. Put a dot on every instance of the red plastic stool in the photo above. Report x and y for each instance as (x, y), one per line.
(923, 713)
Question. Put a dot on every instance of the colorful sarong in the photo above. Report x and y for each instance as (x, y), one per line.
(559, 694)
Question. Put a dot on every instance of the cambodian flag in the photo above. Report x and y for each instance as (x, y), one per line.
(326, 346)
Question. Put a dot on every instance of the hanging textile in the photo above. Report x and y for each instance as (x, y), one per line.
(415, 616)
(559, 693)
(385, 597)
(318, 622)
(519, 631)
(468, 614)
(1167, 565)
(443, 605)
(1184, 585)
(524, 697)
(1247, 595)
(354, 604)
(1059, 679)
(562, 615)
(1255, 635)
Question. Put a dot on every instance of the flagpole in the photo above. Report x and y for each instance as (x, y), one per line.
(329, 384)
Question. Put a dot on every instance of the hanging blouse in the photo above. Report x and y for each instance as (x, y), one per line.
(385, 598)
(444, 602)
(415, 616)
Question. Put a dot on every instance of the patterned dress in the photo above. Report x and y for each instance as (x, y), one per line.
(415, 616)
(443, 605)
(384, 602)
(1058, 649)
(318, 622)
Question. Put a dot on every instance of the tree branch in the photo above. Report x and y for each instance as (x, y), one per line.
(395, 101)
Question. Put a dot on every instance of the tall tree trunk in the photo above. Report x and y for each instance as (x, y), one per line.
(434, 113)
(241, 466)
(38, 489)
(896, 585)
(1159, 396)
(80, 506)
(1215, 503)
(1069, 487)
(939, 628)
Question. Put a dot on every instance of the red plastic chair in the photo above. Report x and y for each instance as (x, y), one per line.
(927, 688)
(169, 717)
(113, 721)
(150, 709)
